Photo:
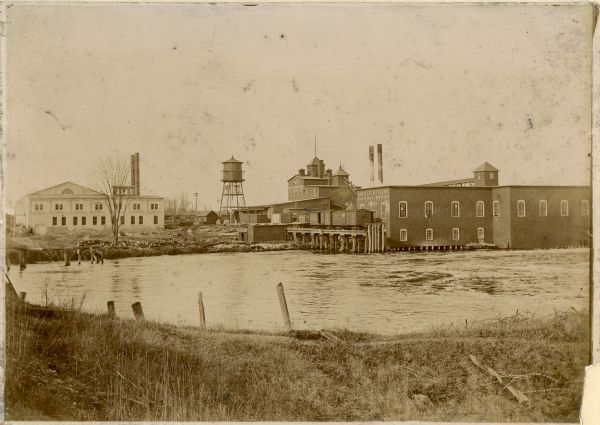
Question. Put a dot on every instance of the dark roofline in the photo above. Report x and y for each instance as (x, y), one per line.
(472, 187)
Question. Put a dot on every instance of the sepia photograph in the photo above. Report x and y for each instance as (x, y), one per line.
(296, 211)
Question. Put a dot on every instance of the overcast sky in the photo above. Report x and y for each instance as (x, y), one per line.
(443, 88)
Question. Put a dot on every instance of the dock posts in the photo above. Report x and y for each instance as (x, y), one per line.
(110, 305)
(368, 241)
(320, 242)
(283, 305)
(201, 311)
(78, 256)
(353, 244)
(66, 257)
(22, 260)
(92, 255)
(137, 311)
(382, 238)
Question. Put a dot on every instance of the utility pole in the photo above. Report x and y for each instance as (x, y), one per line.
(196, 207)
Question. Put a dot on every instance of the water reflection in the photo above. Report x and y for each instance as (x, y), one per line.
(381, 293)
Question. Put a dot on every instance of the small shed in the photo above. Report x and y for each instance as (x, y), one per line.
(207, 217)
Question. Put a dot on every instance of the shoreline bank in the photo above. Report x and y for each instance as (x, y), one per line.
(70, 365)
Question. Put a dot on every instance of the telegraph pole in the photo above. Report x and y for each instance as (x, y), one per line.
(196, 207)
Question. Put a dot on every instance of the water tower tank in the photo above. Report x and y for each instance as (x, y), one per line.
(232, 170)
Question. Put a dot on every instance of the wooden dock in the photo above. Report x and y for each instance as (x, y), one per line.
(371, 239)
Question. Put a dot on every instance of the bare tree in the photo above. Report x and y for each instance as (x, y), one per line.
(184, 203)
(115, 187)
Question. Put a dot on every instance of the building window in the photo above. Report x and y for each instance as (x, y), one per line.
(480, 234)
(63, 221)
(564, 208)
(98, 206)
(403, 209)
(454, 209)
(428, 209)
(67, 191)
(141, 219)
(155, 206)
(585, 207)
(492, 175)
(520, 208)
(543, 207)
(136, 206)
(58, 207)
(132, 219)
(54, 221)
(455, 234)
(94, 220)
(83, 221)
(39, 207)
(403, 235)
(122, 219)
(480, 209)
(74, 221)
(428, 234)
(496, 208)
(103, 220)
(79, 207)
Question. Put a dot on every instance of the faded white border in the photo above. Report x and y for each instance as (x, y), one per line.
(590, 410)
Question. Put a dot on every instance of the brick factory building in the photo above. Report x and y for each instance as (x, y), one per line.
(480, 211)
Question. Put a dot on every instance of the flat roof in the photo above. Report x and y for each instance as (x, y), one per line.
(471, 187)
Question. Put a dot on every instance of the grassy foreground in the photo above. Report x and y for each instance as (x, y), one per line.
(64, 365)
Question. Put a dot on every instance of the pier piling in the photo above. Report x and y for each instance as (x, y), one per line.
(201, 311)
(283, 305)
(138, 312)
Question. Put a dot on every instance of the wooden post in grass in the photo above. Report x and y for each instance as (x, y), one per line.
(284, 308)
(111, 309)
(521, 398)
(201, 311)
(22, 296)
(137, 311)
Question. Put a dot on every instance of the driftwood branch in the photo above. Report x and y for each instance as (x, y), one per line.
(521, 398)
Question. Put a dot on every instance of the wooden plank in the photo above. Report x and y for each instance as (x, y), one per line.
(201, 311)
(283, 305)
(521, 398)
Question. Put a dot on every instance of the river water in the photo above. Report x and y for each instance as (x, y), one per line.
(383, 293)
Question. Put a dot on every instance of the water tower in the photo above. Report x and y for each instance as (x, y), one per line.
(232, 188)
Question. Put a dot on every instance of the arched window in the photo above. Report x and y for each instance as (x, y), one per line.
(480, 234)
(480, 209)
(428, 209)
(585, 207)
(403, 209)
(520, 208)
(496, 208)
(455, 234)
(564, 208)
(403, 235)
(543, 207)
(454, 209)
(428, 234)
(67, 191)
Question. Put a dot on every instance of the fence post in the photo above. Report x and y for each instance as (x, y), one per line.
(137, 311)
(111, 309)
(284, 308)
(201, 311)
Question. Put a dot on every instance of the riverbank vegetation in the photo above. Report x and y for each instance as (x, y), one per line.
(68, 365)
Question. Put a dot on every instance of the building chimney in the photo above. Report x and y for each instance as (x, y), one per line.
(132, 171)
(137, 173)
(301, 172)
(380, 162)
(372, 161)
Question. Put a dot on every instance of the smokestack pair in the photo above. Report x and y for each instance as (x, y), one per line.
(379, 162)
(135, 173)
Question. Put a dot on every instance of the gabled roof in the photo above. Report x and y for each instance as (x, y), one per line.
(204, 213)
(341, 172)
(315, 161)
(486, 166)
(77, 189)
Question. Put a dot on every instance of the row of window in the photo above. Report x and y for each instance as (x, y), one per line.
(455, 234)
(79, 207)
(480, 208)
(63, 220)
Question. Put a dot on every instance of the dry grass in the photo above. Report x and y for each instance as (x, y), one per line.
(73, 366)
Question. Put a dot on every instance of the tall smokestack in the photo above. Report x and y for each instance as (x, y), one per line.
(372, 161)
(132, 171)
(137, 173)
(380, 162)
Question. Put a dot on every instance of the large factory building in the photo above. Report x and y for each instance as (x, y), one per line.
(69, 206)
(478, 210)
(317, 182)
